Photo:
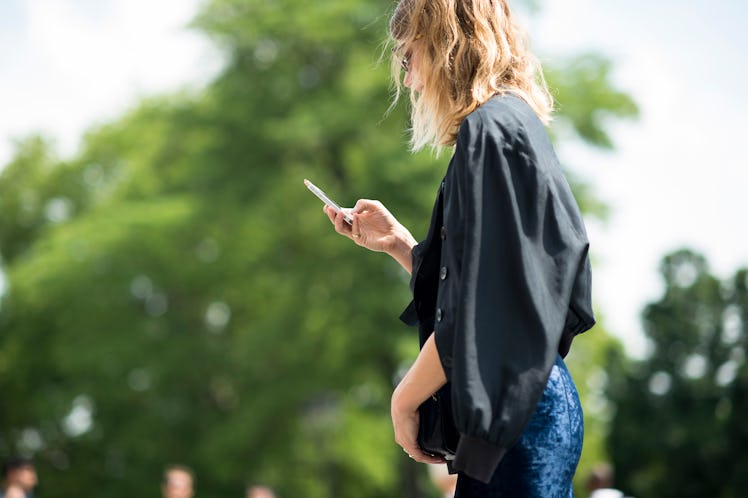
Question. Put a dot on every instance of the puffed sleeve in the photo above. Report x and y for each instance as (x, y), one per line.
(519, 249)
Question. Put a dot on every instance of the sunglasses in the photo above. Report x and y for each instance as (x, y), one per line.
(405, 60)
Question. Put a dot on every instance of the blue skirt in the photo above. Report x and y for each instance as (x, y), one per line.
(543, 461)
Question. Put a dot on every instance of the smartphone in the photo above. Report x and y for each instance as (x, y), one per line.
(323, 197)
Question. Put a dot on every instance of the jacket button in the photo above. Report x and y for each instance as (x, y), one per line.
(447, 360)
(439, 314)
(443, 273)
(443, 232)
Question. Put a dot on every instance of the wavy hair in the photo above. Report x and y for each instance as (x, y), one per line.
(471, 50)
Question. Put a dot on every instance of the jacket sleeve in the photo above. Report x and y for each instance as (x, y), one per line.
(520, 248)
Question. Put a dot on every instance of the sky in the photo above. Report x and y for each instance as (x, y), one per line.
(66, 65)
(676, 178)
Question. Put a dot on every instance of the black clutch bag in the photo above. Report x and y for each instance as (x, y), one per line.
(437, 434)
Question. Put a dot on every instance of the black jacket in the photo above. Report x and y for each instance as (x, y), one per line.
(502, 279)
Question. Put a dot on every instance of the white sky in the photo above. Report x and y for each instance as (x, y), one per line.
(676, 177)
(68, 64)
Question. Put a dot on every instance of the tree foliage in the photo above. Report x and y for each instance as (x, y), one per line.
(175, 294)
(678, 429)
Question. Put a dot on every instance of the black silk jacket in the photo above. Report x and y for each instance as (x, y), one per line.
(502, 279)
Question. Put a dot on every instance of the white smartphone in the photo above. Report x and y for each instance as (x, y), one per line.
(323, 197)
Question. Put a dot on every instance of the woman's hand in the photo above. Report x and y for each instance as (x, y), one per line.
(376, 229)
(405, 425)
(373, 226)
(424, 378)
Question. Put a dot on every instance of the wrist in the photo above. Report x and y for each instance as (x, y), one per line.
(402, 244)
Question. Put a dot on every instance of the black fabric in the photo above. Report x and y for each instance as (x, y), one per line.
(502, 278)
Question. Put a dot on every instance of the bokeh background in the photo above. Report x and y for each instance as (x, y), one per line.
(170, 292)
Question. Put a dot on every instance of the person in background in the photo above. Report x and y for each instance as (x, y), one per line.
(445, 482)
(254, 491)
(178, 482)
(19, 473)
(14, 491)
(502, 283)
(600, 482)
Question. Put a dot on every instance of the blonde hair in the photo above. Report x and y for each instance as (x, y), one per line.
(471, 50)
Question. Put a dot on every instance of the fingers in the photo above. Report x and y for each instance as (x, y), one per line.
(363, 205)
(356, 230)
(341, 226)
(405, 435)
(417, 454)
(330, 213)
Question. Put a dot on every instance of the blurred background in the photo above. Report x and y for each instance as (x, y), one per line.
(171, 293)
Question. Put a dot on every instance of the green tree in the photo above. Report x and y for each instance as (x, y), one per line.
(678, 429)
(175, 294)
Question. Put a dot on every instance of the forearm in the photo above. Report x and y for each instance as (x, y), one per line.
(423, 379)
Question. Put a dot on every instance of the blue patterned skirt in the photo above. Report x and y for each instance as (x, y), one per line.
(543, 461)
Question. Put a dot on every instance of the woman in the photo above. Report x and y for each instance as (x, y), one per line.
(501, 284)
(14, 491)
